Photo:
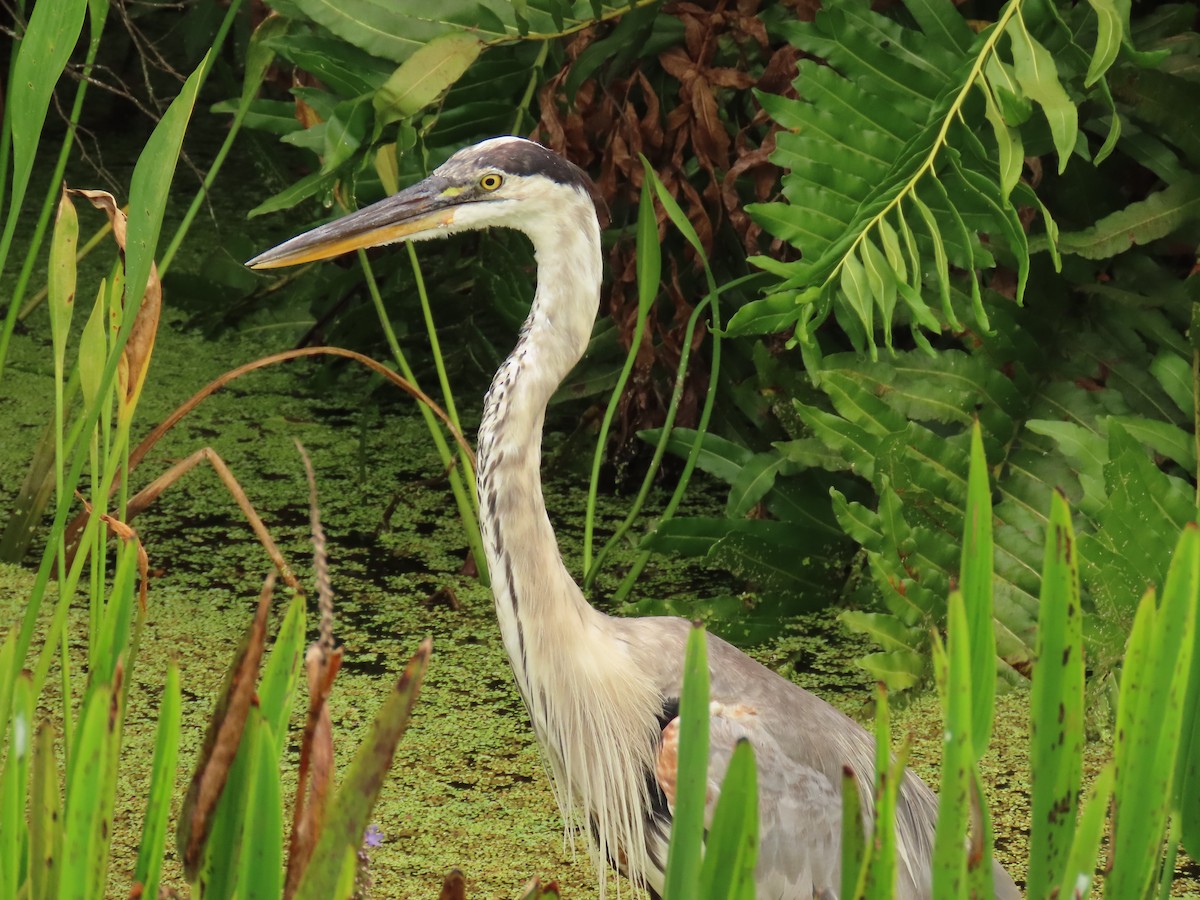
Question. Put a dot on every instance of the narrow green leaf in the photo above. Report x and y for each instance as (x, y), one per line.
(1139, 223)
(687, 830)
(45, 818)
(941, 263)
(88, 820)
(13, 784)
(1008, 142)
(1081, 864)
(769, 315)
(1056, 705)
(425, 76)
(1014, 105)
(891, 250)
(153, 844)
(348, 814)
(975, 582)
(61, 281)
(941, 21)
(1174, 374)
(857, 293)
(294, 193)
(1110, 32)
(1183, 593)
(731, 850)
(281, 674)
(854, 838)
(262, 858)
(884, 628)
(953, 668)
(882, 281)
(1038, 77)
(92, 349)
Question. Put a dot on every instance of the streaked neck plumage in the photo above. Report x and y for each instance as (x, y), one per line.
(593, 711)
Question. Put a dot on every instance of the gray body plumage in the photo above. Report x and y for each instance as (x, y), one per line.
(600, 690)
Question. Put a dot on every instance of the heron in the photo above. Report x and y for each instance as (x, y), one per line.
(603, 692)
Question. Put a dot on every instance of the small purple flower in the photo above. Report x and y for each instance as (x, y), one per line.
(373, 836)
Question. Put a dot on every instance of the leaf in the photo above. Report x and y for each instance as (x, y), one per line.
(898, 669)
(942, 22)
(1038, 76)
(975, 582)
(753, 482)
(1175, 375)
(262, 868)
(1056, 706)
(718, 456)
(1081, 866)
(887, 630)
(221, 742)
(1139, 223)
(61, 282)
(687, 828)
(425, 76)
(771, 314)
(731, 846)
(1110, 31)
(45, 818)
(13, 782)
(953, 668)
(162, 785)
(347, 818)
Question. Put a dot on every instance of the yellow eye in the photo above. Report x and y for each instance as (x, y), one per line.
(490, 181)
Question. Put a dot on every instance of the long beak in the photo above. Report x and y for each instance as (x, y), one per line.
(426, 206)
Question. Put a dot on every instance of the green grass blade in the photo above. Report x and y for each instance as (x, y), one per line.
(162, 785)
(1081, 864)
(1149, 721)
(975, 582)
(88, 824)
(262, 857)
(880, 872)
(731, 854)
(953, 668)
(281, 674)
(854, 837)
(1056, 705)
(1187, 775)
(687, 830)
(351, 809)
(13, 782)
(45, 818)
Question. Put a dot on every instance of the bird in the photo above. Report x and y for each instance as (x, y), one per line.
(602, 692)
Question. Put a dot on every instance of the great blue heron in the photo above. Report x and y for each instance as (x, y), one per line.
(603, 692)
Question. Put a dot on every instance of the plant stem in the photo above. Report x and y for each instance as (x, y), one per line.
(464, 500)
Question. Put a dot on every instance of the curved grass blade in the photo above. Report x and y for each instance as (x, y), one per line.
(975, 581)
(731, 851)
(162, 785)
(687, 830)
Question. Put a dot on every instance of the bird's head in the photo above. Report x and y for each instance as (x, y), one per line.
(502, 182)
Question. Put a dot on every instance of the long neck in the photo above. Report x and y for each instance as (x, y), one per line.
(535, 595)
(593, 708)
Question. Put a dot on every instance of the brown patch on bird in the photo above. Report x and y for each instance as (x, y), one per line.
(666, 765)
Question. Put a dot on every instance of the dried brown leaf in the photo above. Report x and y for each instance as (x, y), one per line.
(221, 740)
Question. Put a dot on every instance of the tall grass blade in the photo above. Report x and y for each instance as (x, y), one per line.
(687, 829)
(854, 837)
(975, 575)
(953, 668)
(350, 811)
(162, 785)
(262, 856)
(13, 782)
(281, 674)
(1056, 706)
(45, 818)
(1076, 877)
(731, 851)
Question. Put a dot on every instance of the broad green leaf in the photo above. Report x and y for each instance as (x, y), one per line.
(349, 812)
(858, 295)
(152, 846)
(294, 193)
(888, 631)
(344, 133)
(898, 669)
(425, 76)
(718, 456)
(1139, 223)
(975, 582)
(731, 845)
(150, 186)
(882, 281)
(41, 56)
(687, 829)
(752, 483)
(1154, 686)
(1164, 438)
(1038, 76)
(1056, 706)
(693, 536)
(942, 22)
(1175, 375)
(771, 314)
